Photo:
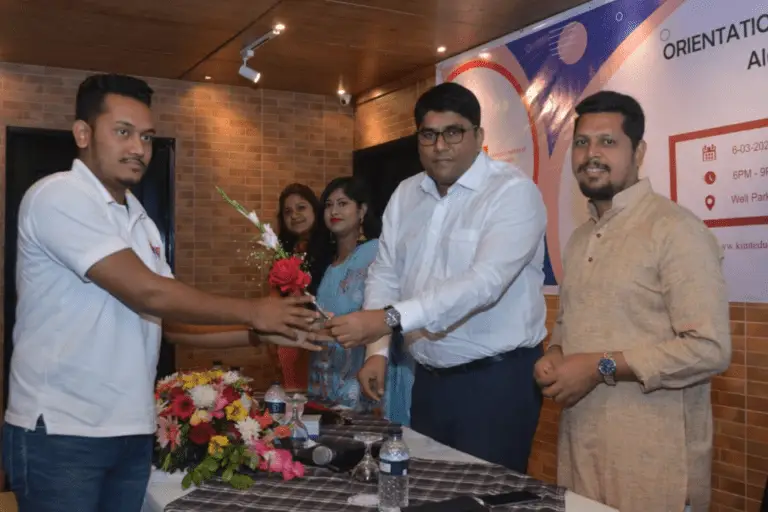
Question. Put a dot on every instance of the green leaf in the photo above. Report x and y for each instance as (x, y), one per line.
(241, 482)
(187, 481)
(228, 474)
(211, 464)
(167, 462)
(197, 478)
(235, 458)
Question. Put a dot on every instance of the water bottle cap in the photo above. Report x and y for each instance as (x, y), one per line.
(395, 430)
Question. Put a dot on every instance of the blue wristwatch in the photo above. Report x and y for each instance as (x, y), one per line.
(607, 368)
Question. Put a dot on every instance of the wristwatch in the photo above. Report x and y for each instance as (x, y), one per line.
(392, 317)
(607, 368)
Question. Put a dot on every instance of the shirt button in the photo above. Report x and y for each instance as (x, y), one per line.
(590, 259)
(599, 235)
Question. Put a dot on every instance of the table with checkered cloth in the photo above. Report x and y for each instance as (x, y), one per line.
(323, 490)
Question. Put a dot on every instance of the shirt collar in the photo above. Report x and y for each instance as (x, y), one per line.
(624, 199)
(82, 171)
(472, 178)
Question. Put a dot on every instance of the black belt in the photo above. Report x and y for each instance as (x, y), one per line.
(477, 364)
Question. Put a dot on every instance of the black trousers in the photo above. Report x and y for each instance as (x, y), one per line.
(764, 506)
(490, 412)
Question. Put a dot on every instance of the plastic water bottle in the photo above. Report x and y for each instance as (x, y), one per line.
(275, 401)
(394, 459)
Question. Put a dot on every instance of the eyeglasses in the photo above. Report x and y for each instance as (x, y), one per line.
(451, 135)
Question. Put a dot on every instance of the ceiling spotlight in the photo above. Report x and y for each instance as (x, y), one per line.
(248, 51)
(441, 49)
(485, 55)
(207, 77)
(341, 91)
(249, 74)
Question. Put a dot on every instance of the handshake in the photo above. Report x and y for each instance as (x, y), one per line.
(295, 321)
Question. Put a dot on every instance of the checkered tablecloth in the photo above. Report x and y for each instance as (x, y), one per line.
(322, 490)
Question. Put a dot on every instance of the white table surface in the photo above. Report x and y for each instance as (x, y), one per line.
(164, 488)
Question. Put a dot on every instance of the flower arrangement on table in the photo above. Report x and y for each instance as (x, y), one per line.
(288, 272)
(209, 424)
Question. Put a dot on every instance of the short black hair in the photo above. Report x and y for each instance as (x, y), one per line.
(611, 101)
(93, 90)
(448, 97)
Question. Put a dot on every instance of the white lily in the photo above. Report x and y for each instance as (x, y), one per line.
(254, 218)
(269, 238)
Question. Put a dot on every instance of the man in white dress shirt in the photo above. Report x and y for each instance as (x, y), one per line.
(93, 285)
(460, 273)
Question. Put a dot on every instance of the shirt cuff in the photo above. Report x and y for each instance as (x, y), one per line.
(378, 348)
(412, 315)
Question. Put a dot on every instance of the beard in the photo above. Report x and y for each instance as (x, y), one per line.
(601, 192)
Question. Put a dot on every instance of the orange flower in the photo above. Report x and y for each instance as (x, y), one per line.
(282, 431)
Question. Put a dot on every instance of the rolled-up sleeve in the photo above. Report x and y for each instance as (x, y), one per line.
(518, 215)
(695, 295)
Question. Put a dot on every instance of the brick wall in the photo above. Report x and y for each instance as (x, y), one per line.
(250, 141)
(388, 117)
(739, 397)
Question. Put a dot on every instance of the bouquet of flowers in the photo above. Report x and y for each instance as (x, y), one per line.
(287, 272)
(208, 424)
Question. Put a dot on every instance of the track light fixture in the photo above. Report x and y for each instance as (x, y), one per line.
(248, 73)
(247, 52)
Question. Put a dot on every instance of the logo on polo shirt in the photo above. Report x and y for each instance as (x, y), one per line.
(155, 250)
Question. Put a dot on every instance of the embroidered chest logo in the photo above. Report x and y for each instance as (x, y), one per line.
(155, 250)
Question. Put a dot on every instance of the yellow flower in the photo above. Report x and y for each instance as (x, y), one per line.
(217, 444)
(202, 380)
(200, 416)
(189, 381)
(236, 411)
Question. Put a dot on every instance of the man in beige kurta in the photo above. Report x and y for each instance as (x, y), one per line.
(643, 326)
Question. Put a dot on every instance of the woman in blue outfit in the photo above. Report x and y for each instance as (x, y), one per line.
(340, 250)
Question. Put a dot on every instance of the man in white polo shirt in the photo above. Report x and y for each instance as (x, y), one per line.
(93, 286)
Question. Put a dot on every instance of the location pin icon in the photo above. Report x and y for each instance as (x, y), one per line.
(710, 202)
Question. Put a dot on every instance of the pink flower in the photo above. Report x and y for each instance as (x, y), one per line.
(168, 432)
(280, 461)
(218, 407)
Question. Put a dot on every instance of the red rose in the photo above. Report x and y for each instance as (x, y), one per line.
(287, 275)
(230, 395)
(201, 433)
(183, 407)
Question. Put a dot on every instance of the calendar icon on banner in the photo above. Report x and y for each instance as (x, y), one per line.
(709, 153)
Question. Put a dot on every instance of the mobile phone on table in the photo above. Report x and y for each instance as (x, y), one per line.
(508, 498)
(459, 504)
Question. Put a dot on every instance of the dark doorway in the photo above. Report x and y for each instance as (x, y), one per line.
(385, 166)
(33, 153)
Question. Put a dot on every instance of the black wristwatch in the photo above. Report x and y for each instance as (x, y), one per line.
(392, 317)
